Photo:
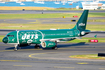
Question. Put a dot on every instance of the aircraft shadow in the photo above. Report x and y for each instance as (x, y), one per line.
(25, 47)
(72, 44)
(59, 46)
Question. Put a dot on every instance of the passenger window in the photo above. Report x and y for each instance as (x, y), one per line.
(10, 35)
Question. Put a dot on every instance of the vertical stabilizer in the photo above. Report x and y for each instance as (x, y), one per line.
(81, 24)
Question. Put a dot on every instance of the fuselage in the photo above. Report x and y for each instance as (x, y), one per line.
(35, 36)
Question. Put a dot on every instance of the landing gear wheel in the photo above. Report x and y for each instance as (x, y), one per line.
(37, 46)
(15, 49)
(55, 48)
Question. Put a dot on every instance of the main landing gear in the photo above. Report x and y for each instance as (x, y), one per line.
(54, 48)
(37, 46)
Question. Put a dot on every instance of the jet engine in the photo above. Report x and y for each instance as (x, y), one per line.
(48, 44)
(84, 32)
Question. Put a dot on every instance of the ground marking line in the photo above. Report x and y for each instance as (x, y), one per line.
(23, 65)
(62, 67)
(82, 63)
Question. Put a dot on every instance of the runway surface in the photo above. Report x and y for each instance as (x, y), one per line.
(50, 21)
(28, 58)
(44, 11)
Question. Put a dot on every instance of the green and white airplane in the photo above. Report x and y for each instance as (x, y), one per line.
(48, 38)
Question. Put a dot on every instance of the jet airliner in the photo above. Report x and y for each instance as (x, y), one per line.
(48, 38)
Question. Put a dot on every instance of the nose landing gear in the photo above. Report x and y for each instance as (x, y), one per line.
(15, 49)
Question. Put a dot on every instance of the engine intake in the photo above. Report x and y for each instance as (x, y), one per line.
(48, 44)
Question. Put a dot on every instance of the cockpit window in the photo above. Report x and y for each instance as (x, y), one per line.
(10, 35)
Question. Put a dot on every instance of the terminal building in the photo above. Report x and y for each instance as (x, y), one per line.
(92, 5)
(85, 4)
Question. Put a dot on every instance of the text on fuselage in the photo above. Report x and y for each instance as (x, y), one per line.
(30, 36)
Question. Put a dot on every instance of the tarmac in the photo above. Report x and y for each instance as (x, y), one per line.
(29, 58)
(44, 11)
(50, 21)
(37, 59)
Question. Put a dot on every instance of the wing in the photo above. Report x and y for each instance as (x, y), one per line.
(60, 39)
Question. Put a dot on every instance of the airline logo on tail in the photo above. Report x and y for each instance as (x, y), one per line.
(81, 24)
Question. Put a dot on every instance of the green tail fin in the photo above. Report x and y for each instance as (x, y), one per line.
(81, 24)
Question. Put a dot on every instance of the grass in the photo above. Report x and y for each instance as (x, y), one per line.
(26, 16)
(86, 40)
(49, 15)
(97, 20)
(34, 26)
(39, 26)
(97, 14)
(87, 56)
(96, 27)
(1, 37)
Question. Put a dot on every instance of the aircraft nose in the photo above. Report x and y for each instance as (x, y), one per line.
(5, 40)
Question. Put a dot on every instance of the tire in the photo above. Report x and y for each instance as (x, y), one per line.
(15, 49)
(54, 48)
(37, 46)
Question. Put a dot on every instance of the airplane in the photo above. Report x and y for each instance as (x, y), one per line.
(48, 38)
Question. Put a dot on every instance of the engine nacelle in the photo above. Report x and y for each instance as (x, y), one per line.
(23, 45)
(84, 32)
(48, 44)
